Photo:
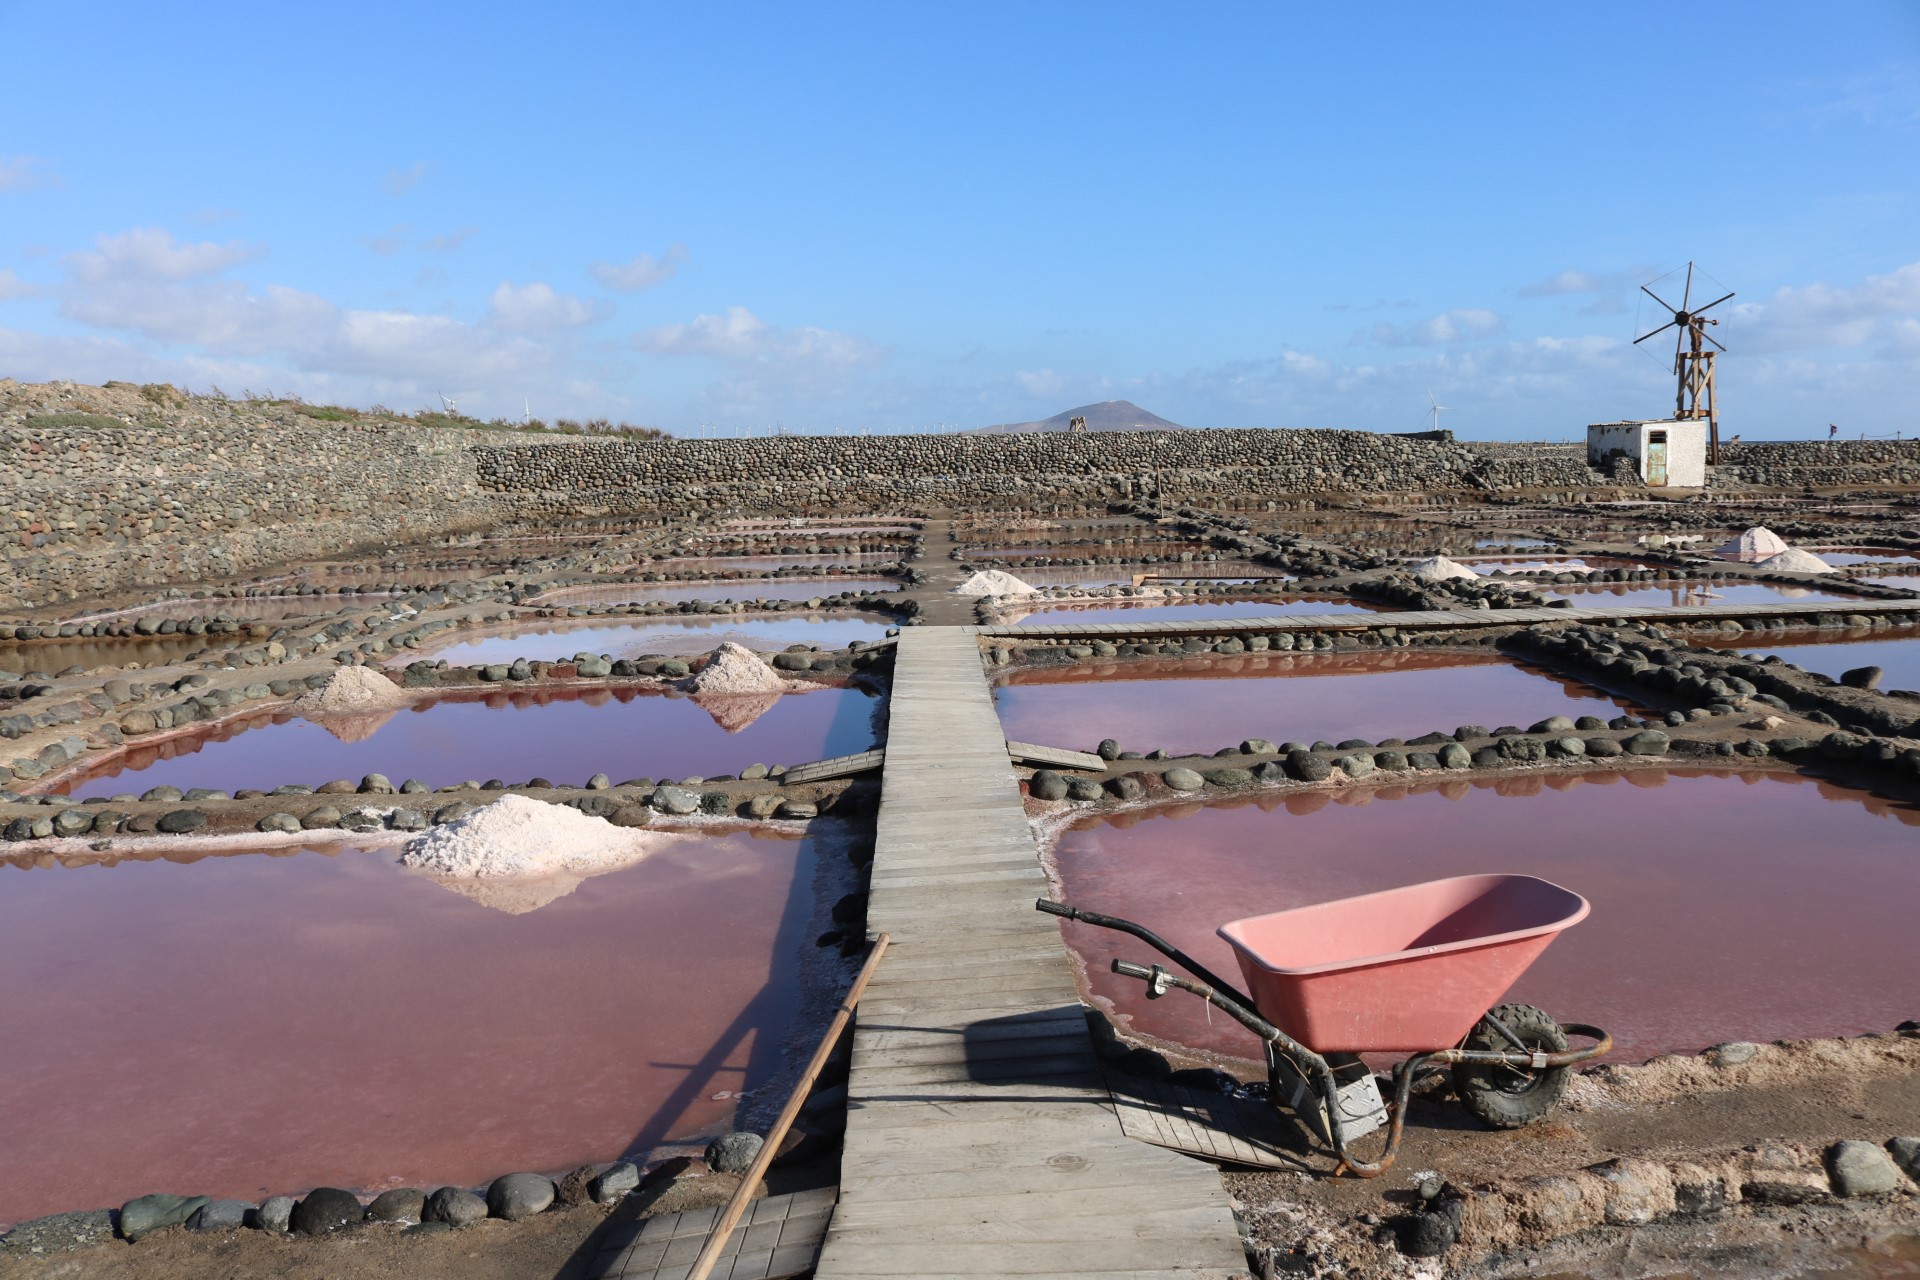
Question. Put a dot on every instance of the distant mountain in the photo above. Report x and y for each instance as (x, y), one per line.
(1109, 415)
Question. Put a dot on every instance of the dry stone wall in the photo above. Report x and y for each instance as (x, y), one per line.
(1008, 470)
(84, 510)
(209, 489)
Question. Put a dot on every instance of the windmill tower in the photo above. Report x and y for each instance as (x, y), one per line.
(1692, 362)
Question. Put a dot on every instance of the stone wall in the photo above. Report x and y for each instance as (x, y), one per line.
(824, 473)
(1821, 464)
(85, 511)
(202, 489)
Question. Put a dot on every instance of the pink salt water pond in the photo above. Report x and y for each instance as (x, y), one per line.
(1065, 612)
(51, 656)
(1544, 564)
(681, 634)
(1108, 575)
(1684, 594)
(761, 564)
(1186, 706)
(1842, 556)
(253, 1024)
(1726, 906)
(562, 735)
(1896, 652)
(740, 589)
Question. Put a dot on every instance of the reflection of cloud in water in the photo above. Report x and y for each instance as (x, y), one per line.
(735, 711)
(356, 728)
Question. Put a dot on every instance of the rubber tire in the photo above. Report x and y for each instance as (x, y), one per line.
(1495, 1095)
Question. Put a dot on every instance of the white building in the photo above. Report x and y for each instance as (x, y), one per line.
(1670, 453)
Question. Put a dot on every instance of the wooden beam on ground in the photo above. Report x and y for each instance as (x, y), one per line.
(836, 767)
(1030, 753)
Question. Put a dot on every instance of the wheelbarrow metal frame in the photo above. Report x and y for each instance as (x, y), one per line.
(1311, 1064)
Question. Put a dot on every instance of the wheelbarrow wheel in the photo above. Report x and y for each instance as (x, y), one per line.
(1511, 1097)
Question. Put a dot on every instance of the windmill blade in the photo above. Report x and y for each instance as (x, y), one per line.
(1662, 301)
(1662, 329)
(1716, 302)
(1715, 341)
(1687, 297)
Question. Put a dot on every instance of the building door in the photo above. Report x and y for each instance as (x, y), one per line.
(1657, 458)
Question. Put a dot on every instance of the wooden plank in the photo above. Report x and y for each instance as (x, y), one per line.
(835, 767)
(1031, 753)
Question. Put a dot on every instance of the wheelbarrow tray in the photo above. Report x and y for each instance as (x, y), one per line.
(1407, 970)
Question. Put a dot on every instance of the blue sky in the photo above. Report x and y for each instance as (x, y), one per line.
(892, 217)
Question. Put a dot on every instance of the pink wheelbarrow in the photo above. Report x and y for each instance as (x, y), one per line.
(1417, 971)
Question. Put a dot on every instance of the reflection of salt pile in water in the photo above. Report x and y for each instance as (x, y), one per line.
(1756, 543)
(735, 711)
(352, 691)
(993, 582)
(1439, 569)
(1795, 560)
(517, 854)
(355, 728)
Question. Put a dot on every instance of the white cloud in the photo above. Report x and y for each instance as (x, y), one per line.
(644, 272)
(390, 241)
(1821, 315)
(151, 253)
(402, 179)
(536, 308)
(12, 286)
(448, 241)
(27, 173)
(740, 337)
(1577, 282)
(1469, 324)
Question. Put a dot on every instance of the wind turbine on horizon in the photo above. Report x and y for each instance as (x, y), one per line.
(451, 405)
(1435, 411)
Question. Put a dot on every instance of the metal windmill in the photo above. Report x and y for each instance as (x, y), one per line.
(1692, 362)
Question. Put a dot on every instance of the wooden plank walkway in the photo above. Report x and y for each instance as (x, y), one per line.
(981, 1140)
(1456, 619)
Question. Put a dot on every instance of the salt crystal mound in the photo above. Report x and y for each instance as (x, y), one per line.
(993, 582)
(1439, 569)
(1795, 560)
(353, 691)
(734, 668)
(520, 838)
(1756, 543)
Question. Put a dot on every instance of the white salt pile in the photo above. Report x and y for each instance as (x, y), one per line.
(1795, 560)
(1756, 543)
(993, 582)
(734, 668)
(516, 837)
(1439, 569)
(352, 690)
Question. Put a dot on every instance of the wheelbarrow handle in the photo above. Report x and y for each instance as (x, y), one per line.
(1145, 935)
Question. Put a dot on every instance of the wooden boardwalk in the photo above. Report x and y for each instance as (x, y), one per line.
(981, 1140)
